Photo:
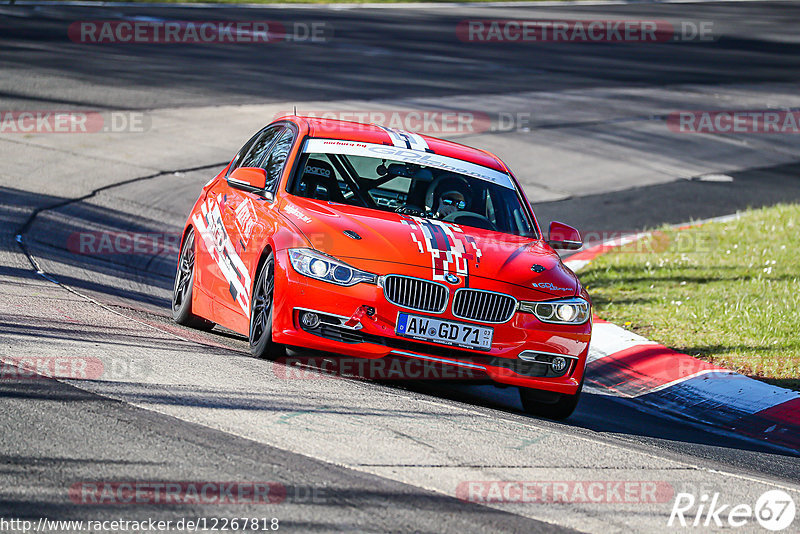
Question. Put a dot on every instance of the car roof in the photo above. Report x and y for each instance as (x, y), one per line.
(371, 133)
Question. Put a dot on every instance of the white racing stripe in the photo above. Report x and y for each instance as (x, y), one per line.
(211, 228)
(404, 139)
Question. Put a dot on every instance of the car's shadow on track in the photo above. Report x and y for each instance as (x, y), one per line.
(604, 416)
(598, 413)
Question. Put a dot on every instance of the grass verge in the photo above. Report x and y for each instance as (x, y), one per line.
(727, 293)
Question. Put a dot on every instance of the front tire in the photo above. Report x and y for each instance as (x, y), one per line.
(184, 284)
(261, 310)
(549, 405)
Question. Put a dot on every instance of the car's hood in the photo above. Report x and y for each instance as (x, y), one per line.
(445, 248)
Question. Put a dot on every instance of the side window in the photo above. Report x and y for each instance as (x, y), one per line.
(318, 179)
(260, 147)
(242, 153)
(277, 159)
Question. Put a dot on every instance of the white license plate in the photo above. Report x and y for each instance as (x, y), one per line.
(445, 332)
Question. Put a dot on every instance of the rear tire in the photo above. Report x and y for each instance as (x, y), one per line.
(261, 310)
(549, 405)
(184, 285)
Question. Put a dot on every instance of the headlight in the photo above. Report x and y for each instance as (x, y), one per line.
(314, 264)
(565, 311)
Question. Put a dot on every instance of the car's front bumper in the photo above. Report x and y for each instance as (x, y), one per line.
(349, 329)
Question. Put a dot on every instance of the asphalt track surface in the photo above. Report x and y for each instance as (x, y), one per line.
(379, 457)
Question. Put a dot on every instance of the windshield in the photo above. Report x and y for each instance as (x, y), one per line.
(421, 185)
